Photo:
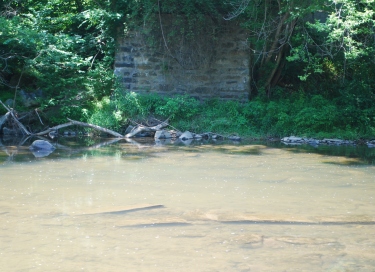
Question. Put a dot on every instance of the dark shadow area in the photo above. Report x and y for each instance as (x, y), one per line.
(360, 154)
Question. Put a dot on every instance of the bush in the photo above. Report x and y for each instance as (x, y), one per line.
(299, 114)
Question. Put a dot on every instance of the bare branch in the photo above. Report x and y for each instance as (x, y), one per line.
(15, 119)
(239, 7)
(141, 128)
(114, 133)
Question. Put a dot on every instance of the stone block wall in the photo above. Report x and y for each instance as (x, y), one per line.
(205, 67)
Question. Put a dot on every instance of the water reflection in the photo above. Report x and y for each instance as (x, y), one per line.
(142, 206)
(74, 146)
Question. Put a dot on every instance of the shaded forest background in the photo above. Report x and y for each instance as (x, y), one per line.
(312, 63)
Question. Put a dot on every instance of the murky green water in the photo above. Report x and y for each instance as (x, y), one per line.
(136, 207)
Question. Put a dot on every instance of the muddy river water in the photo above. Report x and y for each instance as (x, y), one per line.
(229, 207)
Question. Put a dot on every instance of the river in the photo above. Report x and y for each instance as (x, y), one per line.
(204, 207)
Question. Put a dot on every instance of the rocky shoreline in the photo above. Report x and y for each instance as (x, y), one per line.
(293, 140)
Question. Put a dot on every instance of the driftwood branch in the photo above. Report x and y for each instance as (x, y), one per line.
(141, 128)
(138, 129)
(73, 122)
(16, 120)
(53, 129)
(114, 133)
(4, 118)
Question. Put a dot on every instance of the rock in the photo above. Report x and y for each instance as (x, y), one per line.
(41, 148)
(162, 134)
(186, 136)
(41, 145)
(371, 143)
(292, 139)
(175, 133)
(197, 137)
(333, 141)
(234, 138)
(206, 136)
(216, 137)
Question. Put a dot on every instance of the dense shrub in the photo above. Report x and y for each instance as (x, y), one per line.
(310, 116)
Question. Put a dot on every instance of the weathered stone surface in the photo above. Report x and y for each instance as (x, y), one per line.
(293, 140)
(371, 143)
(162, 134)
(41, 145)
(187, 135)
(234, 138)
(41, 148)
(203, 68)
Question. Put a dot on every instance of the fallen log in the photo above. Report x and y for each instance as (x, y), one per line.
(3, 119)
(114, 133)
(53, 129)
(141, 128)
(73, 122)
(16, 120)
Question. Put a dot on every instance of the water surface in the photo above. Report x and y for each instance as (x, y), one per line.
(136, 207)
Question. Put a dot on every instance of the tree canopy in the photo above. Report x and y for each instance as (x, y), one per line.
(66, 47)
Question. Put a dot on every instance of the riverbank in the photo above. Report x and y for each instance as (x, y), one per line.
(313, 118)
(293, 140)
(308, 116)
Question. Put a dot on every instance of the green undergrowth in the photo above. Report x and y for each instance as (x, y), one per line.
(299, 114)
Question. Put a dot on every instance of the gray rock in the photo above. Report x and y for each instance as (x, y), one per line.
(234, 138)
(41, 148)
(42, 145)
(162, 134)
(186, 136)
(197, 137)
(292, 140)
(371, 144)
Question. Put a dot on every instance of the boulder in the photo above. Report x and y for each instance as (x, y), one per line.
(292, 140)
(162, 134)
(333, 141)
(41, 145)
(198, 137)
(41, 148)
(187, 135)
(234, 138)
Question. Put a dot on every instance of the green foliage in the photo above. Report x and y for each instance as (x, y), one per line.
(311, 76)
(66, 48)
(310, 116)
